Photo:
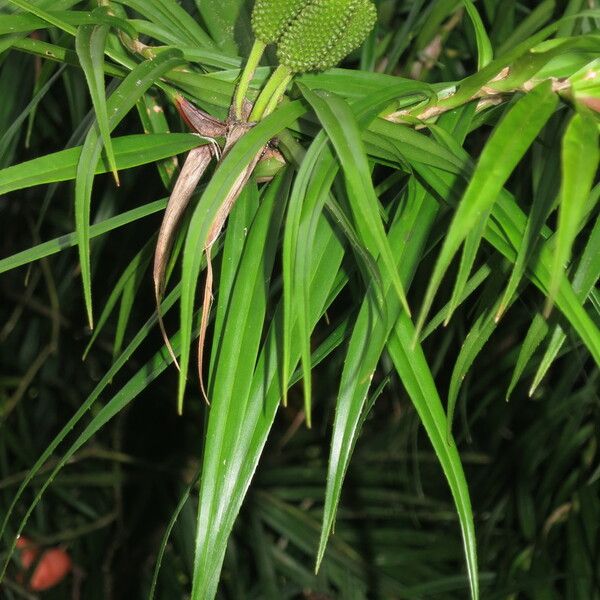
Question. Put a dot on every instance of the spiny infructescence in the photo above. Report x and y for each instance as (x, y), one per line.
(270, 19)
(311, 35)
(358, 28)
(307, 43)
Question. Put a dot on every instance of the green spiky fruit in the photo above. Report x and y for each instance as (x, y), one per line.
(271, 18)
(324, 33)
(362, 22)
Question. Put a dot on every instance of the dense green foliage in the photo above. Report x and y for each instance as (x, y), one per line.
(402, 352)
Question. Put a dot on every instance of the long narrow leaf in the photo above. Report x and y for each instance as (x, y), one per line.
(500, 156)
(580, 155)
(130, 151)
(89, 43)
(118, 105)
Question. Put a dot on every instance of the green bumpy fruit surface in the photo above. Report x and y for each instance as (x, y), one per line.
(362, 22)
(324, 33)
(271, 18)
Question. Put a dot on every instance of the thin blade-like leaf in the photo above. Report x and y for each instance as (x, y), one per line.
(130, 151)
(500, 156)
(485, 53)
(119, 104)
(340, 124)
(580, 155)
(89, 43)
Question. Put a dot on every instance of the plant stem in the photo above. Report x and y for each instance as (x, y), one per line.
(277, 82)
(247, 74)
(276, 97)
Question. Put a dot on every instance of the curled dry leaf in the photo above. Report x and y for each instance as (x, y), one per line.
(194, 167)
(199, 121)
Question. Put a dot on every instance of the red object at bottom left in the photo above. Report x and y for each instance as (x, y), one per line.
(53, 566)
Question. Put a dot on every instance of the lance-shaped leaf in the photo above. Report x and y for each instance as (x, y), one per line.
(500, 156)
(130, 151)
(89, 43)
(580, 156)
(119, 104)
(369, 336)
(341, 126)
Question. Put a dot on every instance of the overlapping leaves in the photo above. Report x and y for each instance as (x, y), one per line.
(390, 240)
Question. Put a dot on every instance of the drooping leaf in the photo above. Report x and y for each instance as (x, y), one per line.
(484, 46)
(230, 386)
(368, 340)
(585, 278)
(119, 104)
(580, 156)
(130, 151)
(501, 154)
(89, 43)
(344, 133)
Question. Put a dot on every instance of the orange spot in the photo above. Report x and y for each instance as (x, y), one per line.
(52, 568)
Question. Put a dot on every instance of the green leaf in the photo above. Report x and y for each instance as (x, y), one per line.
(89, 43)
(26, 23)
(416, 377)
(586, 277)
(44, 15)
(230, 387)
(265, 392)
(59, 53)
(152, 116)
(315, 176)
(131, 277)
(167, 534)
(541, 206)
(580, 155)
(70, 239)
(239, 223)
(228, 22)
(505, 233)
(171, 16)
(536, 19)
(130, 151)
(132, 285)
(535, 335)
(467, 259)
(485, 53)
(119, 104)
(308, 196)
(342, 128)
(474, 282)
(478, 335)
(501, 154)
(369, 336)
